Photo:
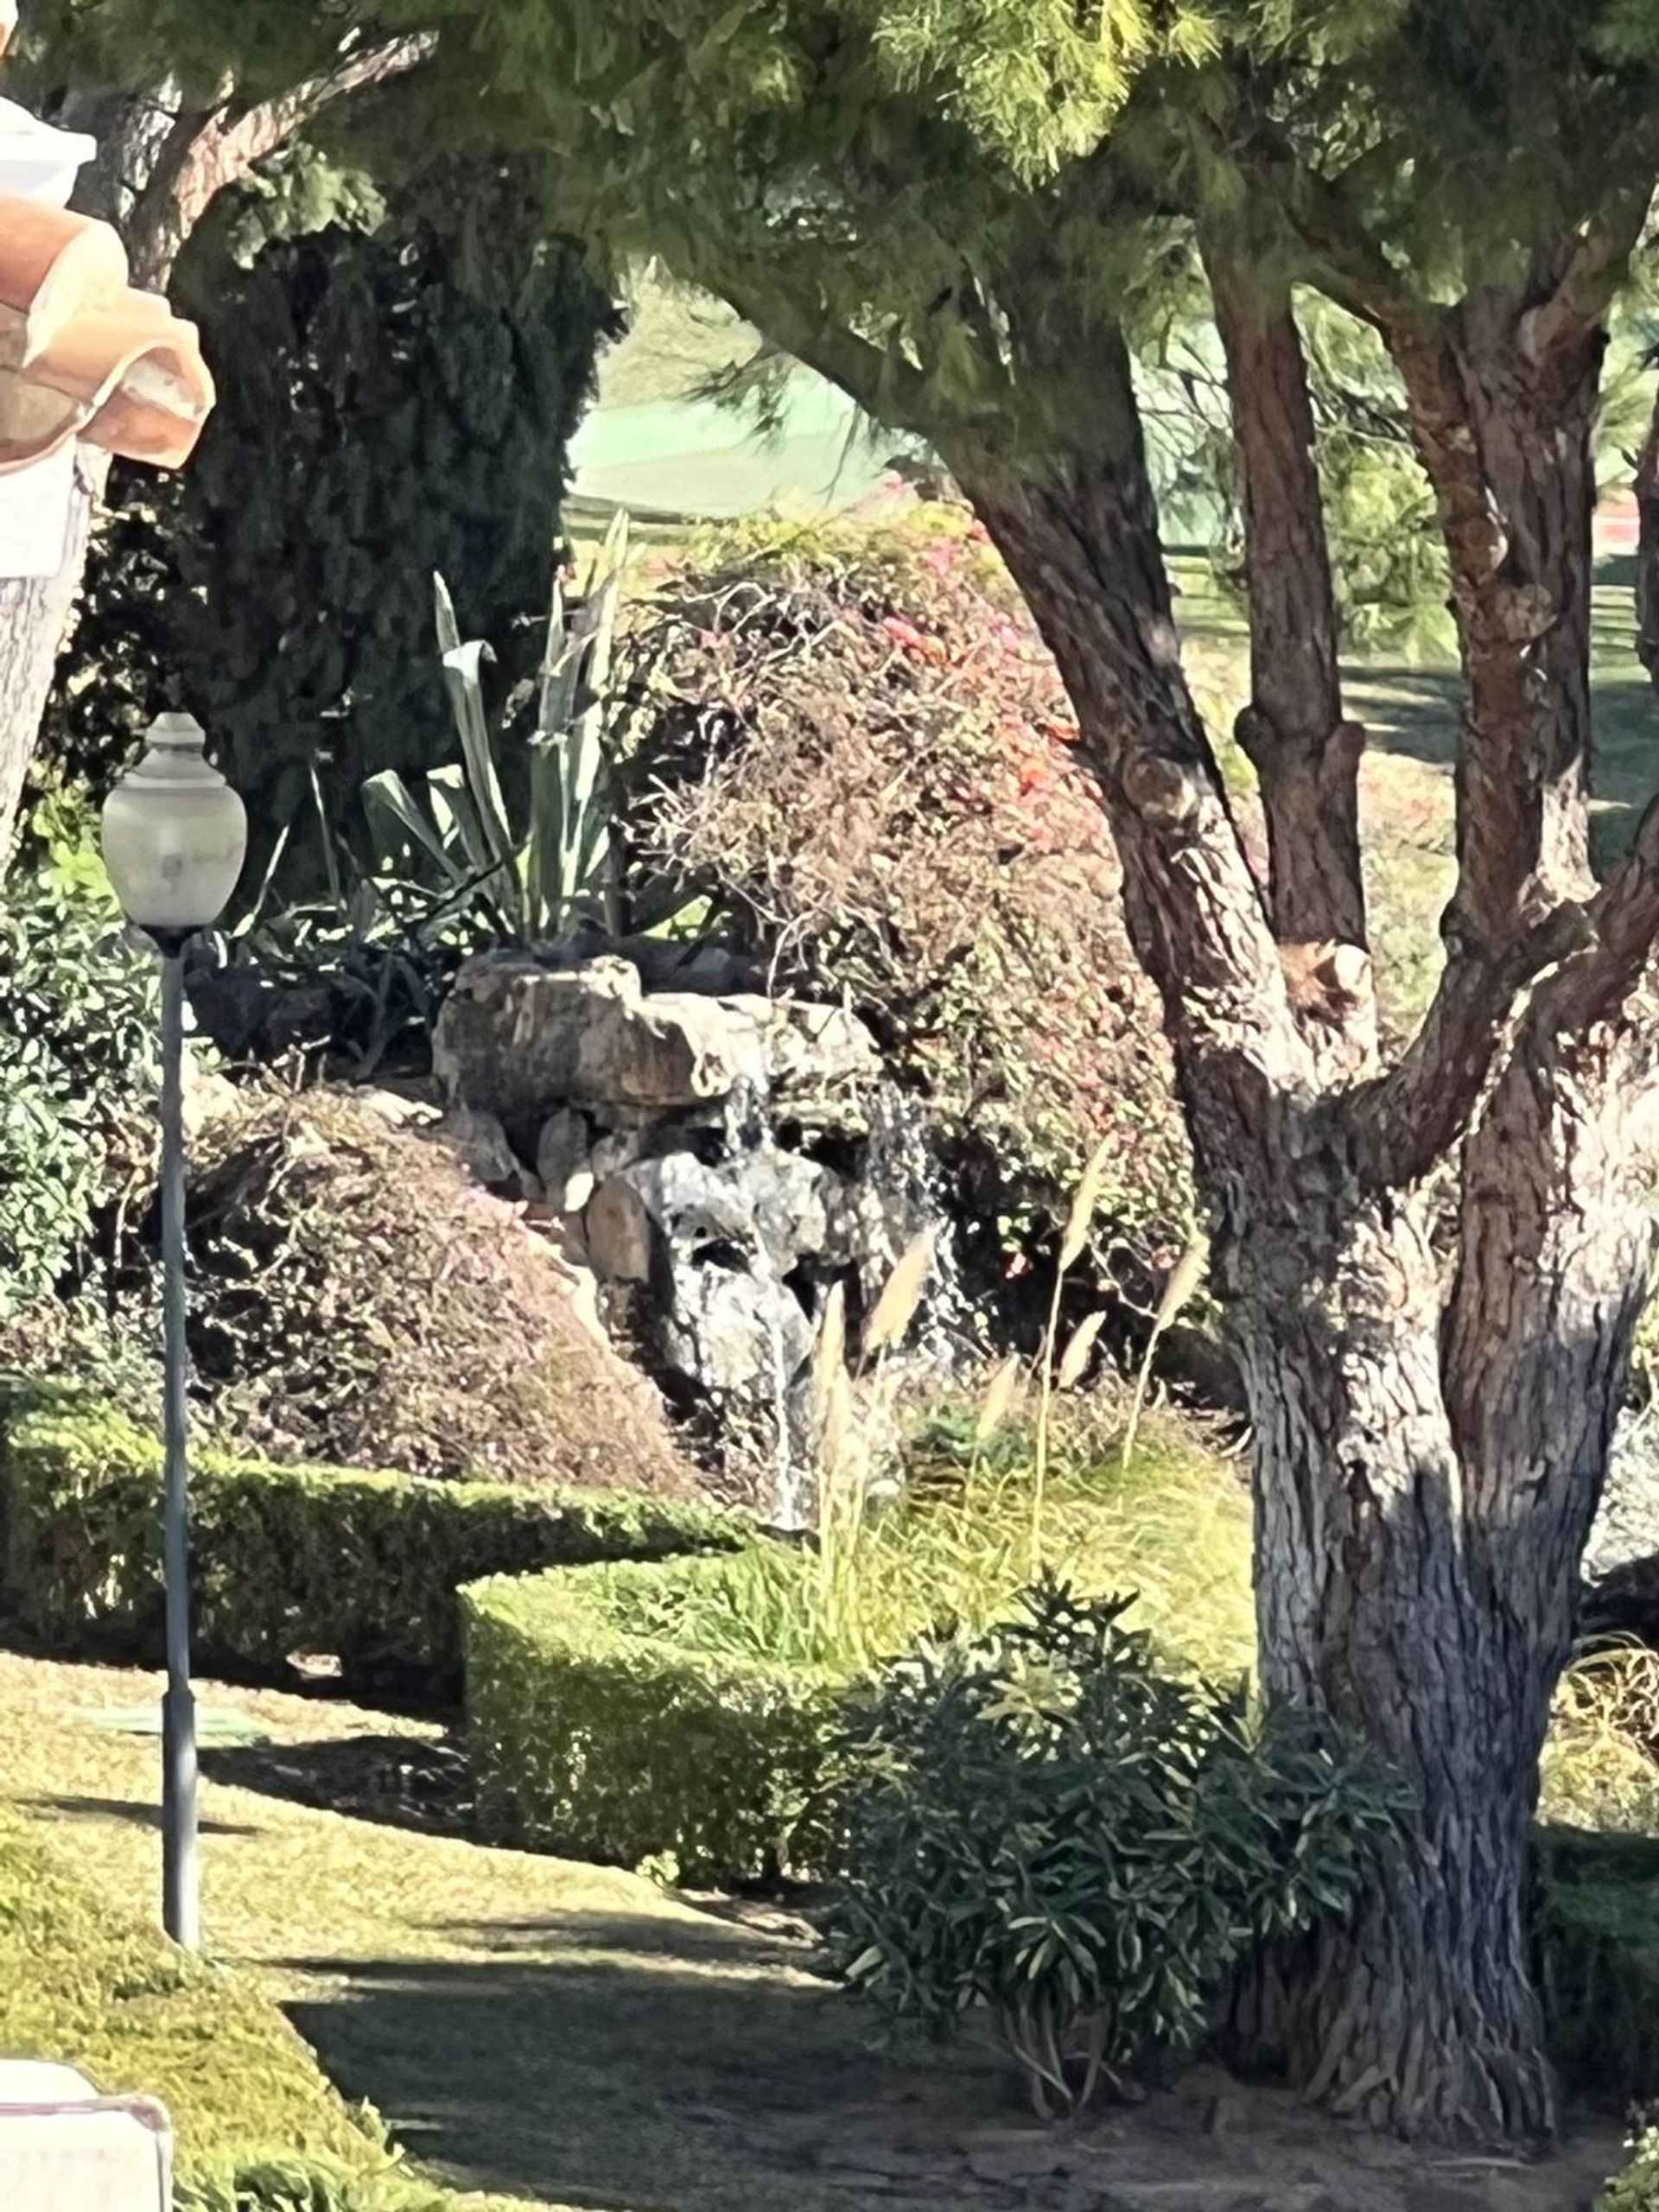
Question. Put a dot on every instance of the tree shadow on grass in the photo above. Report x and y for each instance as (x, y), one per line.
(1405, 710)
(126, 1809)
(676, 2067)
(418, 1783)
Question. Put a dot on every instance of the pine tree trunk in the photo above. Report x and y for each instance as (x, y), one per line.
(1422, 2014)
(1434, 1351)
(35, 619)
(1428, 1462)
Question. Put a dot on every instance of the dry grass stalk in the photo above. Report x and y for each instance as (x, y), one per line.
(1073, 1245)
(901, 1295)
(1184, 1279)
(998, 1401)
(1081, 1219)
(829, 1351)
(1075, 1358)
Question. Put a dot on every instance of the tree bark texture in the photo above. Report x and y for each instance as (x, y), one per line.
(35, 620)
(1647, 549)
(1305, 751)
(1083, 545)
(1429, 1455)
(1431, 1276)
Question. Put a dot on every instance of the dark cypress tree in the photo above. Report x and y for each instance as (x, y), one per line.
(398, 390)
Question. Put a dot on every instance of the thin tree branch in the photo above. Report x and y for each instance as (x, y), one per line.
(209, 148)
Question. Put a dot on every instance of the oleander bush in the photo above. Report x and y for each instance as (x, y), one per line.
(1043, 1825)
(287, 1558)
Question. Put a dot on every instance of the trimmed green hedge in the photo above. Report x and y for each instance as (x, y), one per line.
(285, 1559)
(1598, 1936)
(595, 1731)
(86, 1985)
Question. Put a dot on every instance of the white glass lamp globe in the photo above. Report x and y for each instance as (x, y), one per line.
(175, 833)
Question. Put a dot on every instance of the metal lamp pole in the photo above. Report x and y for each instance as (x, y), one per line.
(180, 1884)
(174, 838)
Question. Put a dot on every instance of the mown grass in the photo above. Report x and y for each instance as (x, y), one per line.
(86, 1983)
(561, 2036)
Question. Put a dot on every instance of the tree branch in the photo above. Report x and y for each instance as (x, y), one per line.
(1305, 752)
(1593, 264)
(1501, 393)
(1601, 951)
(209, 147)
(874, 377)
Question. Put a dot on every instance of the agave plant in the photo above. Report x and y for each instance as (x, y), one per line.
(560, 868)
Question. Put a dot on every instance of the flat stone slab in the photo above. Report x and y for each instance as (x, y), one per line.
(63, 2148)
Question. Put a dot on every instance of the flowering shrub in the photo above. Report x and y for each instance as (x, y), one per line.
(1041, 1822)
(865, 756)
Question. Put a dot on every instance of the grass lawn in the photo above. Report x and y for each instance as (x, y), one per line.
(564, 2035)
(558, 2036)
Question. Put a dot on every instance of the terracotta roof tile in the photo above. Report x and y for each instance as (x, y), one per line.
(82, 353)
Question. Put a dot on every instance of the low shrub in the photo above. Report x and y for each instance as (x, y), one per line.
(286, 1559)
(1636, 2189)
(1039, 1821)
(85, 1984)
(759, 1637)
(599, 1724)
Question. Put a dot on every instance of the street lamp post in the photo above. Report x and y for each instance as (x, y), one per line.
(174, 838)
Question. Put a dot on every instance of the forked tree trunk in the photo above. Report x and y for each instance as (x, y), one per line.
(1433, 1319)
(1428, 1457)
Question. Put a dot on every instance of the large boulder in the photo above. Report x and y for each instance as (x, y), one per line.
(1619, 1589)
(521, 1037)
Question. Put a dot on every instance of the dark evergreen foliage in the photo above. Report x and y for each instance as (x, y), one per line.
(396, 399)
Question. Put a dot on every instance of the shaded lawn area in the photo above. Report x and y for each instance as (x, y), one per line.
(567, 2034)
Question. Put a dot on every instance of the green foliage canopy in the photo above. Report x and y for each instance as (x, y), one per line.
(937, 203)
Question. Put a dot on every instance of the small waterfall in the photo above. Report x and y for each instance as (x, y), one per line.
(789, 1483)
(904, 1193)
